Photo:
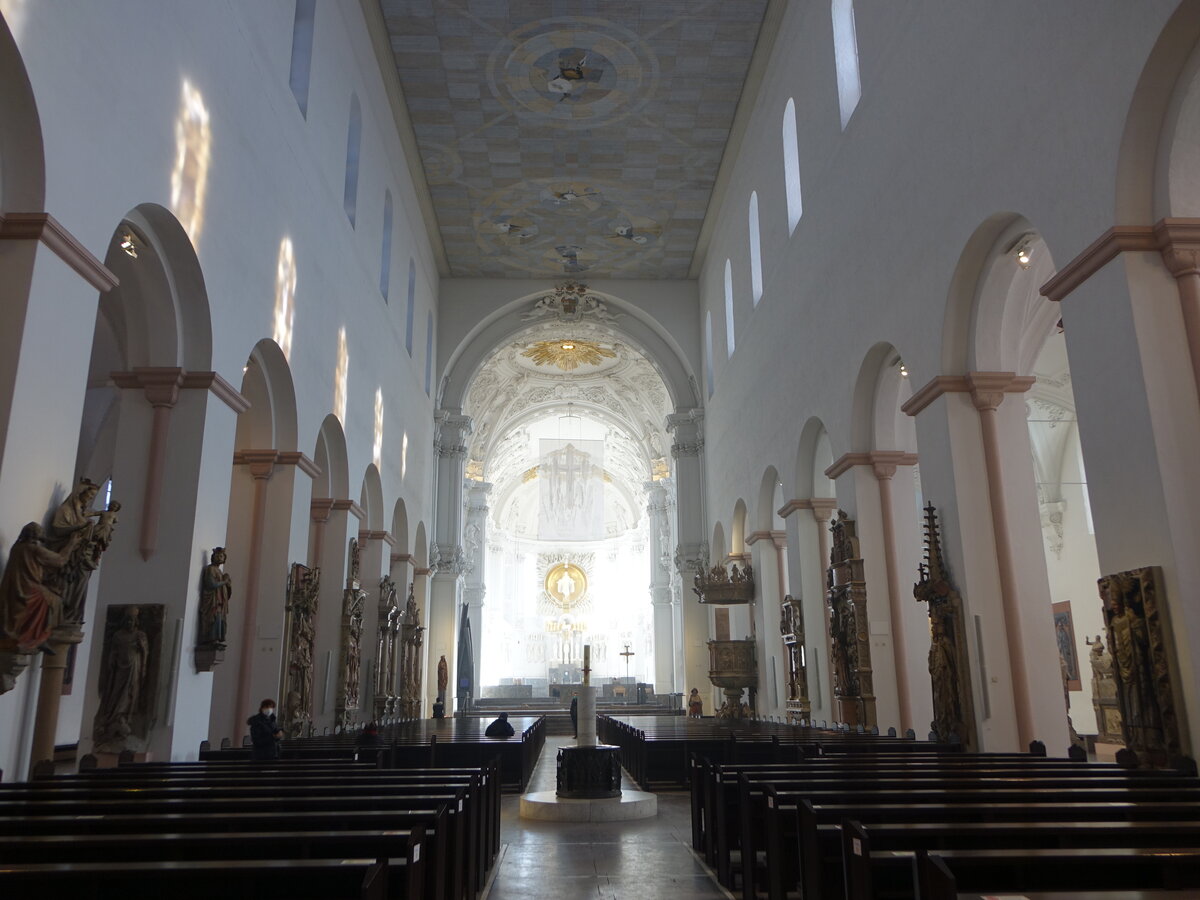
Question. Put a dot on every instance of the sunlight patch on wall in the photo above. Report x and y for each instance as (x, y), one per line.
(404, 456)
(189, 178)
(285, 296)
(339, 377)
(378, 449)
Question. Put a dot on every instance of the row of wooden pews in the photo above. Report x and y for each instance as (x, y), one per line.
(329, 828)
(854, 816)
(454, 742)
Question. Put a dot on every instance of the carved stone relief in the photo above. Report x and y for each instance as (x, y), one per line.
(791, 628)
(129, 664)
(303, 596)
(354, 599)
(850, 645)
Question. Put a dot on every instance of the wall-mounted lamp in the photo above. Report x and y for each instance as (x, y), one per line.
(903, 370)
(1021, 250)
(127, 244)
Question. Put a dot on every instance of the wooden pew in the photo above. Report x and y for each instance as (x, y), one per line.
(235, 879)
(872, 869)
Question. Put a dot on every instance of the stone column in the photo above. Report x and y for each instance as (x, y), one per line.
(987, 392)
(50, 693)
(1181, 253)
(261, 464)
(446, 559)
(658, 511)
(691, 548)
(475, 553)
(884, 464)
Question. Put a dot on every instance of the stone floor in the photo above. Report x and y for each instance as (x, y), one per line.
(646, 859)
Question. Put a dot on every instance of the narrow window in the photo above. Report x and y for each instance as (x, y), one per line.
(428, 351)
(708, 346)
(302, 44)
(385, 254)
(756, 285)
(845, 55)
(791, 166)
(412, 303)
(729, 341)
(353, 146)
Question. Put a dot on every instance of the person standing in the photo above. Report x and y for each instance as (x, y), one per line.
(695, 704)
(265, 734)
(575, 715)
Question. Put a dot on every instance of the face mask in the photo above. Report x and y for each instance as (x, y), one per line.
(268, 710)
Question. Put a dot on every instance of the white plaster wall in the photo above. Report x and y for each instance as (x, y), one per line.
(951, 129)
(107, 80)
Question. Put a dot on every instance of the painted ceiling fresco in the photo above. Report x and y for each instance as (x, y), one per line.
(567, 136)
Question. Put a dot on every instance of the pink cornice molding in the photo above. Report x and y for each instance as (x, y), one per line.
(974, 383)
(42, 226)
(401, 557)
(755, 536)
(816, 504)
(875, 458)
(300, 461)
(322, 507)
(364, 536)
(1170, 234)
(159, 381)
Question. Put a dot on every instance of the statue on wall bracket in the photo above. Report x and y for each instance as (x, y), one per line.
(953, 705)
(1135, 621)
(850, 645)
(216, 587)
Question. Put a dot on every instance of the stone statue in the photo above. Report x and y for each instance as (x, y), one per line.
(29, 606)
(353, 600)
(443, 676)
(943, 675)
(72, 524)
(216, 587)
(122, 683)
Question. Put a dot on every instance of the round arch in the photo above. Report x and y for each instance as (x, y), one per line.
(737, 531)
(505, 324)
(720, 549)
(371, 498)
(766, 515)
(270, 422)
(22, 156)
(994, 304)
(881, 387)
(814, 454)
(400, 525)
(1156, 171)
(330, 456)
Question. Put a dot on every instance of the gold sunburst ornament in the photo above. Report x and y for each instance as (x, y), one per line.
(567, 354)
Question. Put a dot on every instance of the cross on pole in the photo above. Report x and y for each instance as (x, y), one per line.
(627, 653)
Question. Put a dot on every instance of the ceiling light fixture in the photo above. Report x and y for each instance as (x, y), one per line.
(1021, 250)
(128, 245)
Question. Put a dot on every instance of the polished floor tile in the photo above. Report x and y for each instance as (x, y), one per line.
(647, 859)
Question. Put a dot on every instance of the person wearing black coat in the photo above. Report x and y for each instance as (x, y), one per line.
(575, 715)
(500, 728)
(265, 734)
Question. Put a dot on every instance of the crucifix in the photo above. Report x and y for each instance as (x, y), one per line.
(627, 653)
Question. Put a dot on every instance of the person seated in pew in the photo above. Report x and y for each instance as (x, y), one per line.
(500, 728)
(265, 734)
(369, 737)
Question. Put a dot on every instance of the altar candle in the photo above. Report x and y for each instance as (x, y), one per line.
(587, 663)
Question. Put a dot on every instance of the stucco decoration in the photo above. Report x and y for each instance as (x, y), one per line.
(517, 104)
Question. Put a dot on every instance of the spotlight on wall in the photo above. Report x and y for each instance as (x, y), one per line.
(127, 244)
(903, 370)
(1021, 250)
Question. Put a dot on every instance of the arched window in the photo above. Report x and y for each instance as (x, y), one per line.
(845, 55)
(729, 341)
(756, 284)
(791, 166)
(353, 147)
(302, 44)
(385, 254)
(412, 304)
(708, 352)
(428, 351)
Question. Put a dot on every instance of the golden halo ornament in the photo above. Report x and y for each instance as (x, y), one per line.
(567, 354)
(566, 584)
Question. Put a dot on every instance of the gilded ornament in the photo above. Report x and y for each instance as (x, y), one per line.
(568, 354)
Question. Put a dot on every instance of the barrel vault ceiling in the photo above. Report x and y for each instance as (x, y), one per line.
(571, 136)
